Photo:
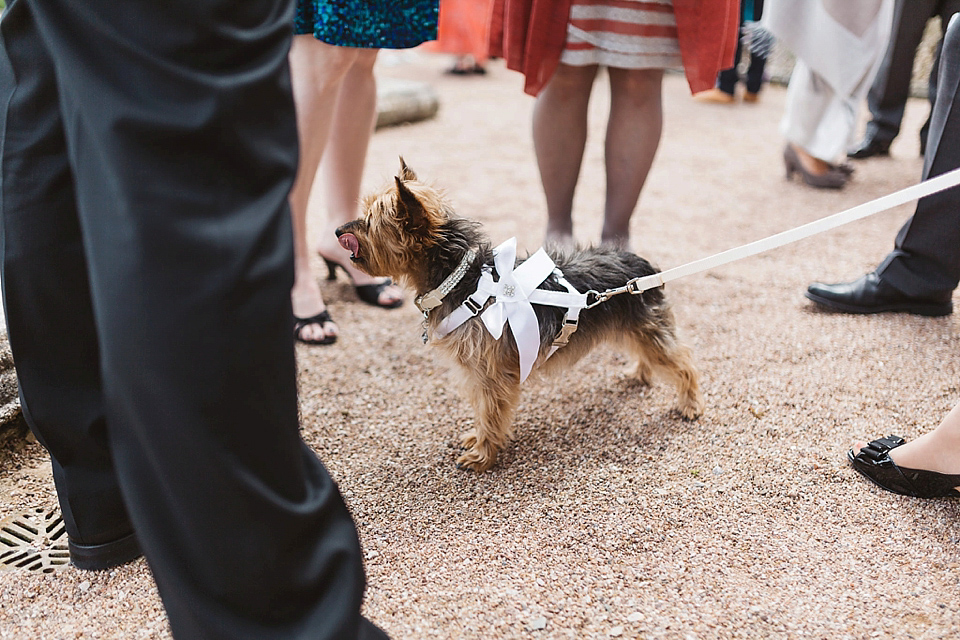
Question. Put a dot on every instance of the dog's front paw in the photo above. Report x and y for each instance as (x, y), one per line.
(477, 459)
(478, 455)
(469, 439)
(691, 408)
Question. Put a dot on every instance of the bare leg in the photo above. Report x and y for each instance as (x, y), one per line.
(937, 450)
(559, 137)
(341, 169)
(317, 70)
(633, 135)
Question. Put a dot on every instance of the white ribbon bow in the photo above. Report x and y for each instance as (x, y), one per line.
(512, 300)
(514, 295)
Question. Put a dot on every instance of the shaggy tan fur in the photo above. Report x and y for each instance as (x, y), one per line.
(409, 232)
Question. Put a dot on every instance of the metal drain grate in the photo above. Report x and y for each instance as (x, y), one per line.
(35, 540)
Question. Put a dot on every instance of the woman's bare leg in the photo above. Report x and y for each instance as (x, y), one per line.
(341, 168)
(317, 70)
(559, 137)
(633, 135)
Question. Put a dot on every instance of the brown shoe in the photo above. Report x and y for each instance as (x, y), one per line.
(751, 97)
(715, 96)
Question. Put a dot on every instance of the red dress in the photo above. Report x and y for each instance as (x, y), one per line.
(531, 34)
(464, 28)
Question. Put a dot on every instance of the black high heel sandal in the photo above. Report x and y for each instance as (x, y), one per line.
(874, 462)
(369, 293)
(321, 318)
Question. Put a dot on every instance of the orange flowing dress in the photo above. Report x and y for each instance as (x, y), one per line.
(463, 28)
(532, 35)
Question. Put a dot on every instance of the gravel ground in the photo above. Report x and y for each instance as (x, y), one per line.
(607, 516)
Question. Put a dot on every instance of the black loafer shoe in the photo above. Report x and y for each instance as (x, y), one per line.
(874, 463)
(870, 294)
(870, 147)
(97, 557)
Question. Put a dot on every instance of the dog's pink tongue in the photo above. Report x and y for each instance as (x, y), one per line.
(349, 242)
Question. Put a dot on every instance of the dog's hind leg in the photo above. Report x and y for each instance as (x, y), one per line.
(494, 400)
(658, 349)
(643, 372)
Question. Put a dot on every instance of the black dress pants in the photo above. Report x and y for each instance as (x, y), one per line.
(147, 153)
(926, 257)
(888, 95)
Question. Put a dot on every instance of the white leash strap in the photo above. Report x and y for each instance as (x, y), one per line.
(915, 192)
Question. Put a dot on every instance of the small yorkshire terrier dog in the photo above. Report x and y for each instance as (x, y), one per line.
(409, 232)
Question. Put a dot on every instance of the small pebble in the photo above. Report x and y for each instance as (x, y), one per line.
(537, 624)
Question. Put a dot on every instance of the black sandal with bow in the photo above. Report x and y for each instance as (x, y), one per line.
(874, 462)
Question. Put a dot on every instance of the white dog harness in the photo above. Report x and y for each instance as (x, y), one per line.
(514, 295)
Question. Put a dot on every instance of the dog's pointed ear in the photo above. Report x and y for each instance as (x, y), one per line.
(411, 212)
(406, 173)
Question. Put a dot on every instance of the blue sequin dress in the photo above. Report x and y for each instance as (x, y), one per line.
(371, 24)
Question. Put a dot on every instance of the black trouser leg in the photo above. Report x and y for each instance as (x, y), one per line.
(755, 73)
(926, 257)
(946, 10)
(888, 95)
(181, 148)
(47, 295)
(757, 63)
(727, 79)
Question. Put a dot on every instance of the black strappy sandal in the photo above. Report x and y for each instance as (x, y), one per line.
(321, 318)
(874, 462)
(369, 293)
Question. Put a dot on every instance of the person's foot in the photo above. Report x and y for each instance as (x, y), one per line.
(107, 555)
(814, 171)
(927, 467)
(750, 97)
(869, 147)
(924, 468)
(560, 240)
(466, 65)
(874, 461)
(385, 293)
(714, 96)
(620, 243)
(870, 294)
(312, 322)
(926, 452)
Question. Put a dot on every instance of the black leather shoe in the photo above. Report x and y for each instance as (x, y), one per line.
(870, 294)
(97, 557)
(870, 147)
(874, 463)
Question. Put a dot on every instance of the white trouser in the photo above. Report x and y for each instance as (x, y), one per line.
(817, 118)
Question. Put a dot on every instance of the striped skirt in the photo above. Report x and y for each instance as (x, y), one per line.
(625, 34)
